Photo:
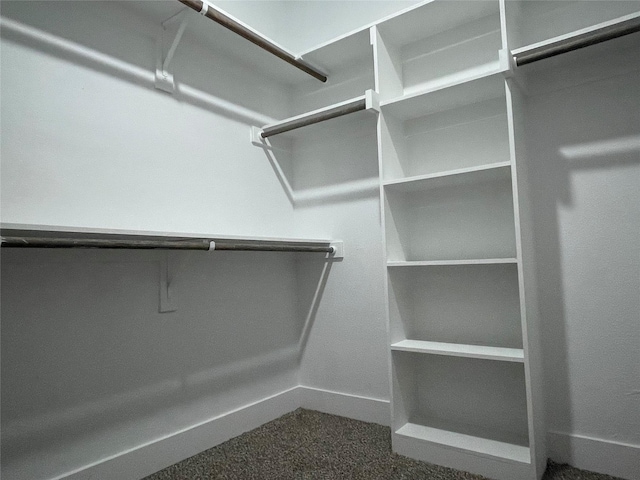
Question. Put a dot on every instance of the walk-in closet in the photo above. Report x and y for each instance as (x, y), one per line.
(422, 217)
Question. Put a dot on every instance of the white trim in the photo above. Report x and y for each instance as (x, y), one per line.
(595, 454)
(154, 456)
(366, 409)
(151, 457)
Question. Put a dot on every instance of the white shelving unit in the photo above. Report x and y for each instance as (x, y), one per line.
(461, 316)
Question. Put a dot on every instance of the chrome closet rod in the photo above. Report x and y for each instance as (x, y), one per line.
(339, 111)
(213, 14)
(182, 244)
(585, 40)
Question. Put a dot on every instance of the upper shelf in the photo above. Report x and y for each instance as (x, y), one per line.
(344, 51)
(37, 230)
(585, 37)
(221, 41)
(466, 92)
(530, 24)
(434, 17)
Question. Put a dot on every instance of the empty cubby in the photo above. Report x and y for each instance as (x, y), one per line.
(484, 400)
(451, 218)
(466, 304)
(437, 44)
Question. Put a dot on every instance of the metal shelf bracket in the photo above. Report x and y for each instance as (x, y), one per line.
(166, 48)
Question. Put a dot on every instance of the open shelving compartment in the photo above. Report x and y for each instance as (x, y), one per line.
(454, 130)
(457, 310)
(463, 217)
(446, 173)
(466, 410)
(436, 44)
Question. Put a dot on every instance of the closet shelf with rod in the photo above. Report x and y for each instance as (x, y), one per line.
(576, 40)
(214, 14)
(366, 102)
(121, 239)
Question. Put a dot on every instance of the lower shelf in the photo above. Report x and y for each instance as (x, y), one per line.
(460, 350)
(467, 443)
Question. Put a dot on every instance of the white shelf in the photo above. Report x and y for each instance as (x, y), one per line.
(62, 230)
(469, 443)
(534, 24)
(436, 263)
(577, 33)
(461, 350)
(460, 176)
(438, 44)
(345, 50)
(464, 90)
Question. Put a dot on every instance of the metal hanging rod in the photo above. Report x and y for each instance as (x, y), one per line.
(183, 244)
(369, 101)
(213, 14)
(585, 40)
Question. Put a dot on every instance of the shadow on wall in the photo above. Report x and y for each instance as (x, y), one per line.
(87, 358)
(330, 162)
(591, 127)
(121, 43)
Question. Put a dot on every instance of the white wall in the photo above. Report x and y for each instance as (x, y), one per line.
(90, 368)
(347, 345)
(85, 145)
(584, 145)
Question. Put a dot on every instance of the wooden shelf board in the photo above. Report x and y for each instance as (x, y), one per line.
(467, 443)
(435, 263)
(460, 350)
(493, 171)
(462, 91)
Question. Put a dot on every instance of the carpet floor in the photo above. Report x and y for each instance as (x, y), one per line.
(309, 445)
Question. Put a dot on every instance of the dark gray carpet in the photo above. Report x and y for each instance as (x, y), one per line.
(309, 445)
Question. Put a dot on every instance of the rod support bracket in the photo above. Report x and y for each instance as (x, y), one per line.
(507, 62)
(372, 101)
(167, 304)
(165, 49)
(338, 249)
(255, 136)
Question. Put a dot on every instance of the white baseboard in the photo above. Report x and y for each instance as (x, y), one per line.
(149, 458)
(602, 456)
(352, 406)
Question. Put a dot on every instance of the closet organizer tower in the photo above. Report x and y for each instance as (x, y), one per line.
(463, 322)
